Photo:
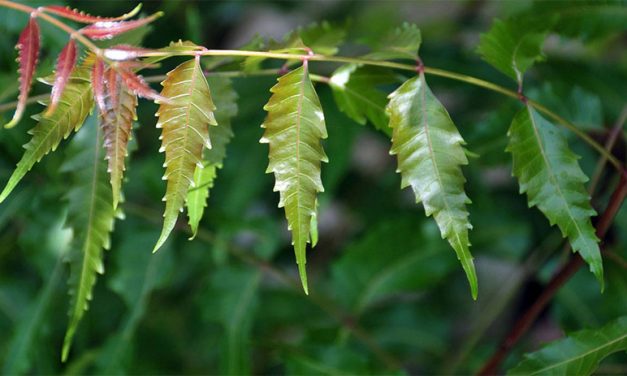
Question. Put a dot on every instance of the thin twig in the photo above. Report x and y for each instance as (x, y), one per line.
(336, 59)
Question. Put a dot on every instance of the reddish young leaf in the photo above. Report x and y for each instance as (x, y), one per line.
(65, 64)
(82, 17)
(116, 122)
(124, 52)
(97, 83)
(28, 52)
(109, 29)
(137, 85)
(112, 90)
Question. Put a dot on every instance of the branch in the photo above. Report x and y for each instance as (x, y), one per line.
(559, 279)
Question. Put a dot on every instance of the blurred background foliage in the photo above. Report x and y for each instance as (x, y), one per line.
(387, 294)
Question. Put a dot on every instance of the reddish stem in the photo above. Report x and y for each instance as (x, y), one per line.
(559, 279)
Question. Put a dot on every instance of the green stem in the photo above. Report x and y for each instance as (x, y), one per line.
(338, 59)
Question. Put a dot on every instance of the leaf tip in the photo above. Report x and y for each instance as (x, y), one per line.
(302, 272)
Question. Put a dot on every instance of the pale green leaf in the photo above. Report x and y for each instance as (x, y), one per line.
(293, 129)
(184, 120)
(74, 106)
(430, 155)
(356, 94)
(196, 199)
(578, 354)
(226, 103)
(116, 121)
(514, 45)
(401, 43)
(91, 216)
(548, 172)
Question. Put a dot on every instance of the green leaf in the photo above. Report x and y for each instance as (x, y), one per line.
(293, 129)
(414, 260)
(116, 121)
(430, 155)
(226, 103)
(356, 94)
(578, 354)
(323, 38)
(401, 43)
(547, 170)
(74, 106)
(231, 300)
(184, 121)
(197, 196)
(514, 45)
(91, 216)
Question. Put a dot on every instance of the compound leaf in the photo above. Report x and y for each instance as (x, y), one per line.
(91, 216)
(293, 129)
(75, 104)
(580, 353)
(429, 150)
(226, 103)
(548, 172)
(184, 120)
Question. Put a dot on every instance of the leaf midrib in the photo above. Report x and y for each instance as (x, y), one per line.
(432, 155)
(550, 170)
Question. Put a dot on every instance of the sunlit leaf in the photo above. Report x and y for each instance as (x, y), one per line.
(294, 128)
(430, 155)
(75, 104)
(90, 216)
(28, 53)
(578, 354)
(548, 172)
(184, 121)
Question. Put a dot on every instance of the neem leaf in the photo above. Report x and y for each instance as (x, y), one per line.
(79, 16)
(578, 354)
(91, 216)
(184, 120)
(75, 104)
(116, 121)
(28, 53)
(514, 45)
(294, 128)
(226, 103)
(65, 64)
(356, 94)
(548, 172)
(429, 150)
(401, 43)
(108, 29)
